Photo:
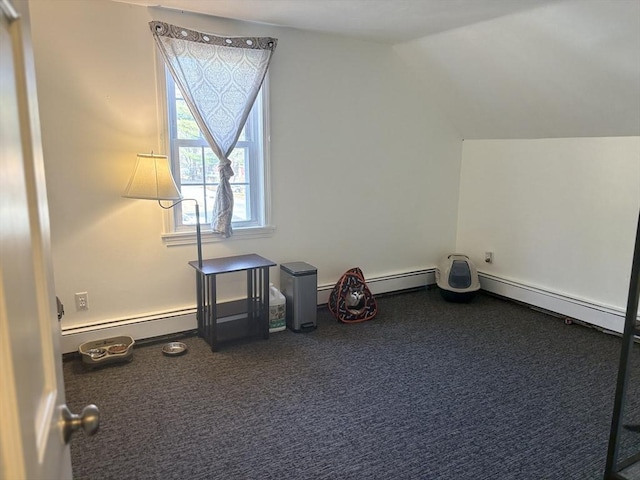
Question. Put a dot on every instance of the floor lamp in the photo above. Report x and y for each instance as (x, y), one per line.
(152, 180)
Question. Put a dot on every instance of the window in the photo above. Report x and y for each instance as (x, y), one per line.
(195, 166)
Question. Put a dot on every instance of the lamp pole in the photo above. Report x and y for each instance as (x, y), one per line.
(198, 236)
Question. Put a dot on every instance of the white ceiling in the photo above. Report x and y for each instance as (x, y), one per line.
(386, 21)
(496, 68)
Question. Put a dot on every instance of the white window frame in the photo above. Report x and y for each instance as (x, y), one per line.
(177, 234)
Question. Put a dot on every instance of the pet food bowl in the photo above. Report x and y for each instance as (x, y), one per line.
(109, 350)
(174, 349)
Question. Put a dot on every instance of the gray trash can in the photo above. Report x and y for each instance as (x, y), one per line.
(299, 285)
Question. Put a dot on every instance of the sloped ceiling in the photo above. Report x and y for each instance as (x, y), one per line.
(384, 21)
(568, 69)
(496, 68)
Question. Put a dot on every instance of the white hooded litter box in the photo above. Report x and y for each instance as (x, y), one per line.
(457, 278)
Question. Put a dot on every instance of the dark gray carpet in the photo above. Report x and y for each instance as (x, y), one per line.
(427, 390)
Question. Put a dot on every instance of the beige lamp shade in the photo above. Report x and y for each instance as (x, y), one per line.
(152, 180)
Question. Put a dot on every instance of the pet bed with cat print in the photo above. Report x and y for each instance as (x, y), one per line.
(351, 301)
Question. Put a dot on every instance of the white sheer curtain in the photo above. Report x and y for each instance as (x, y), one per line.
(219, 78)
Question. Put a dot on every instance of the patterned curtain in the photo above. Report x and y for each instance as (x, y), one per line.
(219, 78)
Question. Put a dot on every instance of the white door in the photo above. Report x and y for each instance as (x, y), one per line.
(31, 382)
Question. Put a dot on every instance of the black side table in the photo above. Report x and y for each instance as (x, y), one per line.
(257, 301)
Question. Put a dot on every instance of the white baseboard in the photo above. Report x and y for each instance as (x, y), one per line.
(602, 316)
(176, 321)
(388, 283)
(138, 328)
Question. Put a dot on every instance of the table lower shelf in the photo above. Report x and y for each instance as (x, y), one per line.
(233, 323)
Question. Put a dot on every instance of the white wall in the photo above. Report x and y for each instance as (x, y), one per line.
(560, 215)
(364, 171)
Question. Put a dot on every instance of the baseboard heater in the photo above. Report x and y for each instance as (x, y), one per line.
(606, 318)
(140, 328)
(230, 325)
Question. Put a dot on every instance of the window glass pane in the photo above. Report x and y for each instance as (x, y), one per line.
(190, 164)
(241, 212)
(211, 166)
(238, 163)
(189, 208)
(187, 126)
(208, 205)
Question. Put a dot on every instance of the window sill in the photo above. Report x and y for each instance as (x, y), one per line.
(189, 237)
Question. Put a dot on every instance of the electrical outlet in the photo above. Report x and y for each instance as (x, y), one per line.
(488, 257)
(82, 301)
